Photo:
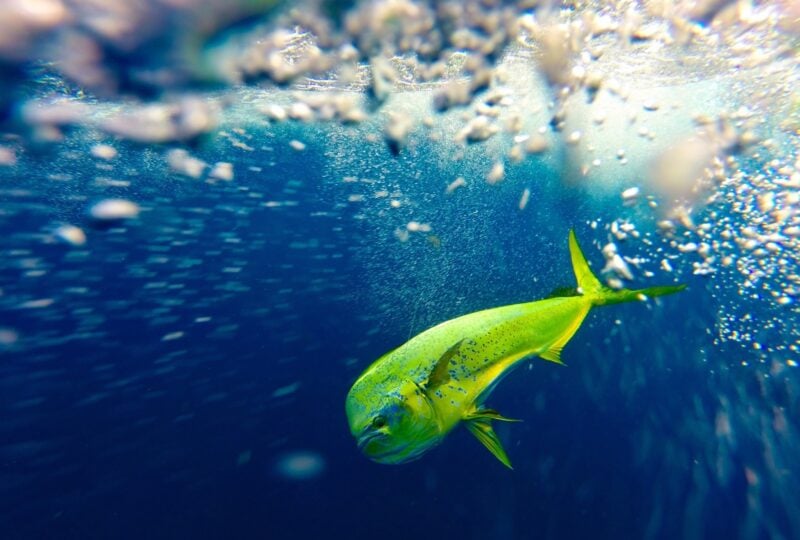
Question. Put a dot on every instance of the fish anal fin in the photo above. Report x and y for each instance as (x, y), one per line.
(553, 354)
(440, 373)
(482, 429)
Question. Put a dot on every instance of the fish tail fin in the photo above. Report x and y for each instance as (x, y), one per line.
(591, 287)
(588, 284)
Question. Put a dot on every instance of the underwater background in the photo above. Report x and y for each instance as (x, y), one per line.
(174, 364)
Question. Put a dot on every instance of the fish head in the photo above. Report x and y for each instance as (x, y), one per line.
(394, 425)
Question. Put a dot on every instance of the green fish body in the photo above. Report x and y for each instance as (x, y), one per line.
(409, 399)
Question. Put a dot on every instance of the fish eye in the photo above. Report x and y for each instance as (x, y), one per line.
(378, 422)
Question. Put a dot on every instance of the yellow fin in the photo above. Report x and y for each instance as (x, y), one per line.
(588, 284)
(553, 354)
(440, 374)
(590, 287)
(488, 414)
(482, 429)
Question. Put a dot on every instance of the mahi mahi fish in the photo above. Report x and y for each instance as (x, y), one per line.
(409, 399)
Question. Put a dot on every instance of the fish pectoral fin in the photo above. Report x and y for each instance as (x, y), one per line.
(440, 373)
(489, 414)
(481, 427)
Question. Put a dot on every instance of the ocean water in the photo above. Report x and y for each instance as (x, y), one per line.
(180, 370)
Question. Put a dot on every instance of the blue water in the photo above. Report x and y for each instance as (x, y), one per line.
(110, 431)
(114, 426)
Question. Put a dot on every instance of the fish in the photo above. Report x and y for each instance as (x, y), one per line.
(408, 400)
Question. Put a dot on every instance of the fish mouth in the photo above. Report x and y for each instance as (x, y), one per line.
(397, 455)
(386, 457)
(365, 439)
(382, 455)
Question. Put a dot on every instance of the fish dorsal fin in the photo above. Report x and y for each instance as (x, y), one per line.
(481, 427)
(440, 373)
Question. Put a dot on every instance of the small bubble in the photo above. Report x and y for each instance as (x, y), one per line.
(113, 210)
(302, 465)
(8, 337)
